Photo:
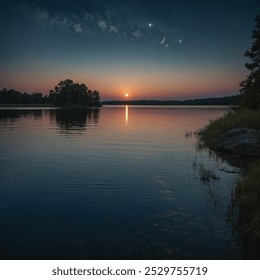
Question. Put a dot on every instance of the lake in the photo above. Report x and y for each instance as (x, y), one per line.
(119, 182)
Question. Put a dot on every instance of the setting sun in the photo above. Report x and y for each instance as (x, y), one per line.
(126, 95)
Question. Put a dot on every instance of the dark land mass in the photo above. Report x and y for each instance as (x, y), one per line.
(228, 100)
(65, 94)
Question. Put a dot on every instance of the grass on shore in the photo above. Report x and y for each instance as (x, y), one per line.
(239, 118)
(247, 190)
(247, 195)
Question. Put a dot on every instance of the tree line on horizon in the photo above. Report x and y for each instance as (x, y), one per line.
(77, 96)
(66, 93)
(226, 100)
(11, 96)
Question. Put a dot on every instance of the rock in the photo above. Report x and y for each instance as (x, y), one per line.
(242, 141)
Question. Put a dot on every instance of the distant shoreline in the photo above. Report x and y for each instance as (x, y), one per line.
(45, 106)
(228, 100)
(27, 105)
(218, 101)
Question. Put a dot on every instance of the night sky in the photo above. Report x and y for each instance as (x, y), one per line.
(168, 49)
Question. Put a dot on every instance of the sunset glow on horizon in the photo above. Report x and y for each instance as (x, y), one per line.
(154, 55)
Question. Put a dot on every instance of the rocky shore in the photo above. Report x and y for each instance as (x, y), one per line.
(240, 141)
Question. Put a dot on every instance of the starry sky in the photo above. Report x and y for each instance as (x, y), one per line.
(168, 49)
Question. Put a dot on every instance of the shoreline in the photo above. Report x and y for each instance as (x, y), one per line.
(47, 106)
(26, 105)
(246, 191)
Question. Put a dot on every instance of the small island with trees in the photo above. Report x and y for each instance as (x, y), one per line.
(65, 94)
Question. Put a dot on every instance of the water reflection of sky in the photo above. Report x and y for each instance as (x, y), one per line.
(124, 184)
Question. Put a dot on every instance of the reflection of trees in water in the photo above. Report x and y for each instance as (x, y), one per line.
(13, 115)
(74, 120)
(68, 120)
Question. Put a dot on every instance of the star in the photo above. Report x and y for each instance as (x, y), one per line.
(150, 24)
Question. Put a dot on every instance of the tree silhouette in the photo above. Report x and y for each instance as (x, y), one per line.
(12, 96)
(250, 88)
(65, 93)
(69, 93)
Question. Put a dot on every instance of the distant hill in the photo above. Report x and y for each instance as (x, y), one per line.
(227, 100)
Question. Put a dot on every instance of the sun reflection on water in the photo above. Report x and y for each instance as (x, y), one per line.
(126, 114)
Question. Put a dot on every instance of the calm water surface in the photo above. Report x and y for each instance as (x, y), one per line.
(112, 183)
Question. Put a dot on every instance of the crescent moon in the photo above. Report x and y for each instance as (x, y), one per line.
(163, 40)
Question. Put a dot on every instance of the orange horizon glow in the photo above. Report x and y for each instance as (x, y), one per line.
(137, 84)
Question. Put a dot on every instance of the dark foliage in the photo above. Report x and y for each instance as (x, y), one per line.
(66, 93)
(69, 93)
(250, 88)
(12, 96)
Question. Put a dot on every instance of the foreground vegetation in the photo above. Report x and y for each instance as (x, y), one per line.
(247, 195)
(247, 189)
(237, 118)
(250, 87)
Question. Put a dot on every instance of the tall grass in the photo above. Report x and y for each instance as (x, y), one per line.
(239, 118)
(247, 194)
(247, 190)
